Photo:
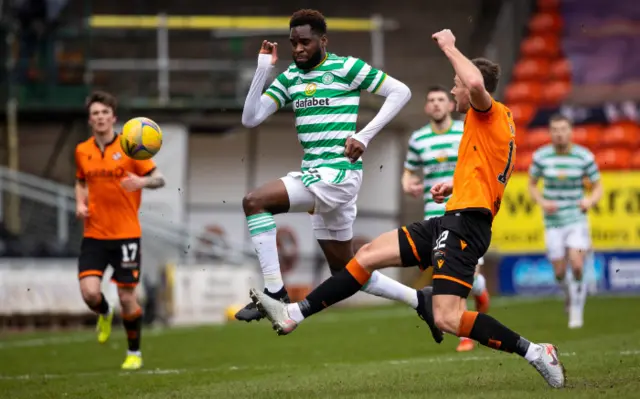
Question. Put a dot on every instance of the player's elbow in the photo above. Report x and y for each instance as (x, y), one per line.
(403, 92)
(475, 83)
(248, 121)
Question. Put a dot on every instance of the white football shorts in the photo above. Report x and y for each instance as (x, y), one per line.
(330, 196)
(573, 236)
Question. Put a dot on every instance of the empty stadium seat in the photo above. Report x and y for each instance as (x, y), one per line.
(555, 92)
(548, 5)
(522, 113)
(547, 45)
(635, 160)
(521, 138)
(538, 137)
(523, 92)
(531, 69)
(613, 158)
(523, 160)
(621, 134)
(560, 69)
(587, 135)
(545, 22)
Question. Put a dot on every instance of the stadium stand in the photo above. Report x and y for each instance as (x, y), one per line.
(580, 58)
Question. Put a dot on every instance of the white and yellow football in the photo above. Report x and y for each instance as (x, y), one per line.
(141, 138)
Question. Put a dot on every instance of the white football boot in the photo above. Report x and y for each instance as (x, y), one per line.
(275, 311)
(549, 367)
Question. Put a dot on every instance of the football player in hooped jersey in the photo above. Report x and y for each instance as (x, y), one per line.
(324, 89)
(451, 243)
(108, 195)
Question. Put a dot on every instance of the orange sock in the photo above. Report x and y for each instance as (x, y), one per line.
(358, 272)
(482, 302)
(467, 321)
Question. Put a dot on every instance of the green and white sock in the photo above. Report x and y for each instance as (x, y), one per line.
(262, 228)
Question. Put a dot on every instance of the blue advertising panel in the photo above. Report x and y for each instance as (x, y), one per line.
(604, 272)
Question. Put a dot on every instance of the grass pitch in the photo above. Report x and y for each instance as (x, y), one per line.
(357, 353)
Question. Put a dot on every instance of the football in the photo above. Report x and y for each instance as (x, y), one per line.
(141, 138)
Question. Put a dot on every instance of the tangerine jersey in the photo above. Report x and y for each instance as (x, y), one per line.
(486, 159)
(113, 211)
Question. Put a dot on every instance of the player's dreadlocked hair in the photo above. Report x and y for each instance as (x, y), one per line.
(313, 18)
(490, 73)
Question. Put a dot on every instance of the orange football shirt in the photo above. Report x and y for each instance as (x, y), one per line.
(113, 211)
(486, 158)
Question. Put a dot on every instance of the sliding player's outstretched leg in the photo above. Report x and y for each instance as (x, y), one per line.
(481, 297)
(259, 207)
(334, 233)
(461, 239)
(382, 252)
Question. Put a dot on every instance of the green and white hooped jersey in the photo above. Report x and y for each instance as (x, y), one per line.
(326, 100)
(563, 176)
(435, 155)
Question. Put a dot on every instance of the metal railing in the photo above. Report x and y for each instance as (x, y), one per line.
(46, 210)
(220, 27)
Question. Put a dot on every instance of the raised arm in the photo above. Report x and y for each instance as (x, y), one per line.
(468, 73)
(257, 106)
(397, 95)
(363, 76)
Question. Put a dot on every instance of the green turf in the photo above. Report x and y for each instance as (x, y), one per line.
(366, 353)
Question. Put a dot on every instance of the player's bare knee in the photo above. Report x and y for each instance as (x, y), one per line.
(252, 204)
(367, 257)
(91, 296)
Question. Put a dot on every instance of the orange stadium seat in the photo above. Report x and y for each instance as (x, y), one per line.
(547, 45)
(522, 113)
(521, 138)
(537, 137)
(635, 160)
(613, 158)
(545, 22)
(523, 92)
(531, 69)
(561, 69)
(523, 160)
(555, 92)
(621, 134)
(587, 135)
(548, 5)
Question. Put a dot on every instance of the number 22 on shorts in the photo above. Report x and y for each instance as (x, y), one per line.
(441, 241)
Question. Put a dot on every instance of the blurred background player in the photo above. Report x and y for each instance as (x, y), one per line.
(431, 159)
(325, 91)
(107, 199)
(563, 166)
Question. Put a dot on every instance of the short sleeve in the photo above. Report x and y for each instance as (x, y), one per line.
(591, 170)
(79, 169)
(143, 168)
(362, 76)
(279, 92)
(412, 161)
(535, 169)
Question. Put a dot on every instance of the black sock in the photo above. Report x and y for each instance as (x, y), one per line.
(101, 307)
(490, 332)
(133, 325)
(340, 286)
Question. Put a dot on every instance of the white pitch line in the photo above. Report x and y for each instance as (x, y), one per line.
(397, 362)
